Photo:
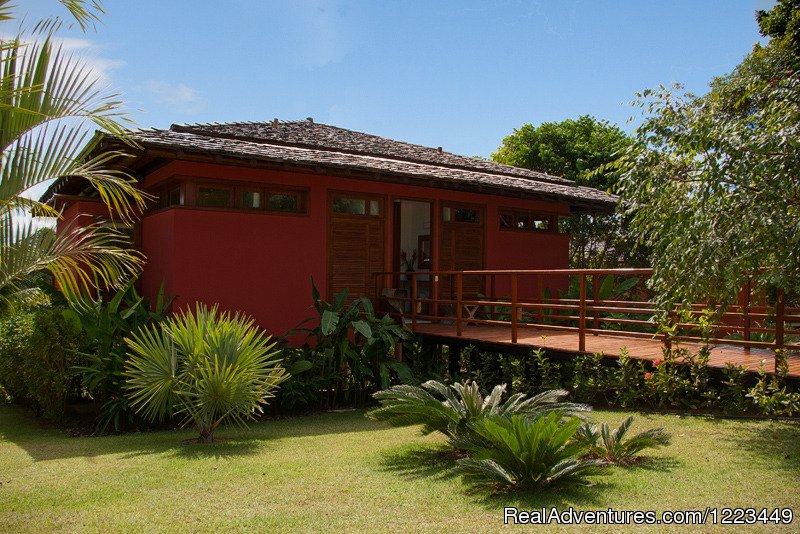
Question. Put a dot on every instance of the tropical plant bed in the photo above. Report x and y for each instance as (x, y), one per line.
(341, 471)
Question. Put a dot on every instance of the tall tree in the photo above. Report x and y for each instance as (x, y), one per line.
(576, 149)
(712, 182)
(49, 100)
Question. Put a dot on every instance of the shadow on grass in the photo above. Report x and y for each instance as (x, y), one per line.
(437, 462)
(42, 441)
(777, 443)
(420, 461)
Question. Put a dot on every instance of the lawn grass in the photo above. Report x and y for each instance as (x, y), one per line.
(342, 472)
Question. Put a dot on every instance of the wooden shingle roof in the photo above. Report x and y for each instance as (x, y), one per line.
(318, 145)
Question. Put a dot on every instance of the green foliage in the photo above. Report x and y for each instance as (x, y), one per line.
(732, 398)
(106, 323)
(50, 102)
(547, 372)
(452, 409)
(520, 453)
(206, 366)
(589, 378)
(771, 395)
(578, 150)
(302, 389)
(711, 185)
(612, 447)
(572, 149)
(629, 380)
(782, 23)
(38, 348)
(351, 347)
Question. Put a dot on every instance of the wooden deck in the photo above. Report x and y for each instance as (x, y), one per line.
(609, 345)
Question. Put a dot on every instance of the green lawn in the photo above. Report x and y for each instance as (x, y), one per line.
(339, 471)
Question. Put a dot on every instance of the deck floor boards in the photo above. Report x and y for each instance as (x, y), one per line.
(609, 345)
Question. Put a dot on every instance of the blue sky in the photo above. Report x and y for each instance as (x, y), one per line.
(460, 75)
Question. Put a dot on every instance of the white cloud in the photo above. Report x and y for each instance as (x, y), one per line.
(87, 52)
(185, 99)
(91, 55)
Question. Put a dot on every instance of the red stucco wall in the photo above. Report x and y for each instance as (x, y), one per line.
(261, 264)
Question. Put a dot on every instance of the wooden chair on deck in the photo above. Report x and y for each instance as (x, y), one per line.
(393, 298)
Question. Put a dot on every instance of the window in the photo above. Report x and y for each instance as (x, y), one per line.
(353, 206)
(464, 215)
(213, 197)
(290, 202)
(526, 221)
(249, 200)
(253, 197)
(170, 197)
(357, 206)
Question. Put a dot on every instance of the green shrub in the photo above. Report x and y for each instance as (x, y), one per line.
(205, 366)
(630, 380)
(520, 453)
(731, 397)
(38, 348)
(589, 378)
(771, 395)
(547, 373)
(611, 447)
(352, 348)
(106, 323)
(301, 391)
(452, 409)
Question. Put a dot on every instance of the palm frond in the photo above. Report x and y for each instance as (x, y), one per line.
(79, 258)
(207, 366)
(452, 409)
(610, 445)
(516, 452)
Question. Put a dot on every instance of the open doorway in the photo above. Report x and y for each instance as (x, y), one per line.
(412, 244)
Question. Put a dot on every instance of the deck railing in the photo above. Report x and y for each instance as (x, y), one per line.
(521, 299)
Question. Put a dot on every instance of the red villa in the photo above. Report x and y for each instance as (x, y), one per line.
(246, 213)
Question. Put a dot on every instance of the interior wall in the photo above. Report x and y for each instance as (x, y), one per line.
(415, 220)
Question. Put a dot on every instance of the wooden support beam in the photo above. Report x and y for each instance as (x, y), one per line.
(459, 305)
(595, 295)
(514, 308)
(582, 315)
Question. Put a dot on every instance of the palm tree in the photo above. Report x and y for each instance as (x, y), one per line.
(48, 102)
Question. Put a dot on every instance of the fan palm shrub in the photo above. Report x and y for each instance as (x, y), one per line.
(451, 409)
(50, 101)
(205, 366)
(611, 447)
(523, 454)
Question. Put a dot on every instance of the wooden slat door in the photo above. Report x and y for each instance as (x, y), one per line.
(356, 247)
(461, 245)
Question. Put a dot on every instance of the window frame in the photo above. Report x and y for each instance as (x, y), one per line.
(532, 215)
(366, 197)
(190, 186)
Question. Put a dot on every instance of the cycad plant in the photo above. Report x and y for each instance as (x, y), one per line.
(205, 366)
(49, 99)
(520, 453)
(611, 447)
(451, 409)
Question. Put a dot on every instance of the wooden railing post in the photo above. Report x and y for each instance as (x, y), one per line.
(595, 294)
(459, 305)
(435, 295)
(493, 296)
(779, 322)
(514, 311)
(540, 291)
(746, 313)
(414, 299)
(582, 316)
